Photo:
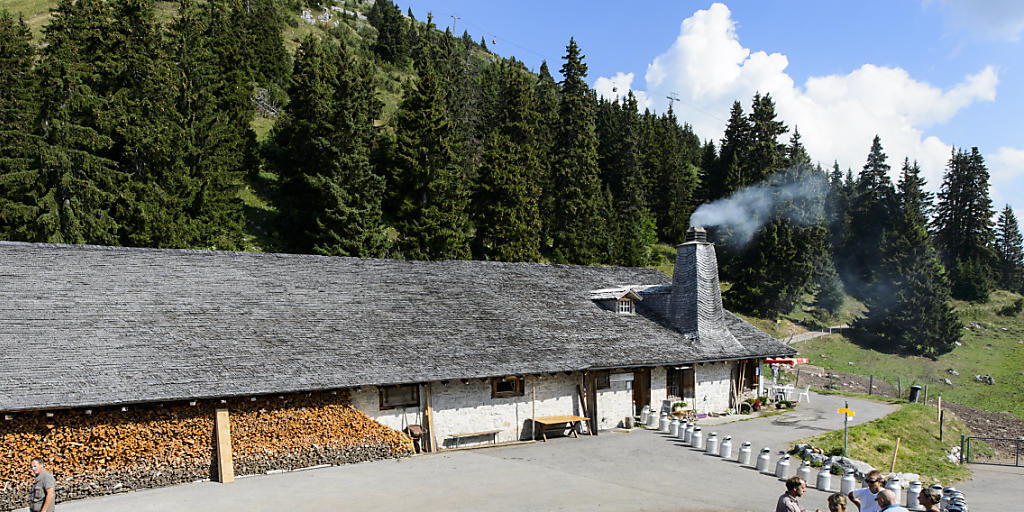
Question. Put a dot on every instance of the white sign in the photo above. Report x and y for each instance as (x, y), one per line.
(620, 377)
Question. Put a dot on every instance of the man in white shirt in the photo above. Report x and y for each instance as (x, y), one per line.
(864, 498)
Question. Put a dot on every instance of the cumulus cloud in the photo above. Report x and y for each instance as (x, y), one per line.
(838, 115)
(1000, 20)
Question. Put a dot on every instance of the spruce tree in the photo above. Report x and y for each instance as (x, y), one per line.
(506, 202)
(430, 195)
(212, 151)
(330, 197)
(872, 205)
(732, 154)
(19, 173)
(1009, 251)
(963, 227)
(632, 229)
(765, 152)
(80, 187)
(578, 227)
(392, 43)
(546, 92)
(908, 307)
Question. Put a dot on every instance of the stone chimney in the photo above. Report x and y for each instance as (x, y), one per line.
(695, 306)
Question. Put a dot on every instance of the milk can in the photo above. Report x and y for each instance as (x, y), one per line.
(805, 471)
(697, 439)
(957, 499)
(681, 434)
(782, 467)
(825, 478)
(712, 443)
(644, 413)
(946, 494)
(744, 457)
(673, 427)
(725, 450)
(848, 483)
(764, 460)
(689, 433)
(663, 423)
(652, 420)
(912, 492)
(893, 484)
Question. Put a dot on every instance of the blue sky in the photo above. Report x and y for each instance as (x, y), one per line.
(924, 75)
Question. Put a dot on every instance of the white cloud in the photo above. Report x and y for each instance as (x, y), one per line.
(837, 115)
(1001, 20)
(617, 87)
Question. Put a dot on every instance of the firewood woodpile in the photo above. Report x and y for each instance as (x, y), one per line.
(112, 451)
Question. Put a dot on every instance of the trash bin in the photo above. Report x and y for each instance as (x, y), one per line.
(915, 390)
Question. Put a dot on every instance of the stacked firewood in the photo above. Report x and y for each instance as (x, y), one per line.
(113, 450)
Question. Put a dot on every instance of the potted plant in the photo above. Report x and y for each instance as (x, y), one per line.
(678, 406)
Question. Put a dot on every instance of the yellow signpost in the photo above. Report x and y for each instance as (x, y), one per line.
(847, 414)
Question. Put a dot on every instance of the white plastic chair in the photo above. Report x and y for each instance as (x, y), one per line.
(806, 393)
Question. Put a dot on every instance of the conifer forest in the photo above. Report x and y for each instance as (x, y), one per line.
(235, 125)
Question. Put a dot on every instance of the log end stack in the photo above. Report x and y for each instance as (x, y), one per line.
(111, 451)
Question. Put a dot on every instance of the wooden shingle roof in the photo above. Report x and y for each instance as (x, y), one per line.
(86, 326)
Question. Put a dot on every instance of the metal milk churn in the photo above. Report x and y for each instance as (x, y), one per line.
(663, 423)
(673, 427)
(644, 413)
(912, 492)
(944, 503)
(725, 451)
(712, 443)
(782, 467)
(825, 478)
(849, 483)
(805, 471)
(697, 440)
(682, 429)
(764, 460)
(744, 457)
(689, 433)
(652, 420)
(894, 485)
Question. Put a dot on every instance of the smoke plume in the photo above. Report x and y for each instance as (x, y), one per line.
(748, 209)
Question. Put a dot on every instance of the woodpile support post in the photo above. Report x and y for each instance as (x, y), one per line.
(431, 438)
(225, 465)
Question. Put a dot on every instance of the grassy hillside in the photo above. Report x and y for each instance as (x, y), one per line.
(920, 450)
(991, 345)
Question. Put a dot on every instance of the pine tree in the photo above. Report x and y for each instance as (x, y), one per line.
(430, 196)
(506, 203)
(1009, 251)
(578, 227)
(765, 154)
(963, 227)
(80, 188)
(19, 172)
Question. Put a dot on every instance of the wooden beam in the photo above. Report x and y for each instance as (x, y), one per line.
(225, 466)
(590, 380)
(430, 423)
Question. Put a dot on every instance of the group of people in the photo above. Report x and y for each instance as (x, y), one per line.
(872, 498)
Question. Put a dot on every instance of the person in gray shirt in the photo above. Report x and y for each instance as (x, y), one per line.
(43, 495)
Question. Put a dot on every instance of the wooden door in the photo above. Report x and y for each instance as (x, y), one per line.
(689, 385)
(641, 389)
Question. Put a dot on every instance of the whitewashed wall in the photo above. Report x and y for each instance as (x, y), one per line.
(713, 386)
(463, 408)
(659, 389)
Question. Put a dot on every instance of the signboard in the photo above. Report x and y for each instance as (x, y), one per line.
(620, 377)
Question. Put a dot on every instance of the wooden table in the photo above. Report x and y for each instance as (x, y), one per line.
(557, 423)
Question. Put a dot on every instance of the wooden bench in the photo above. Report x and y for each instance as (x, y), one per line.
(459, 437)
(557, 423)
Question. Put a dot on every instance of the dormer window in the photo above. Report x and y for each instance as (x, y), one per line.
(626, 307)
